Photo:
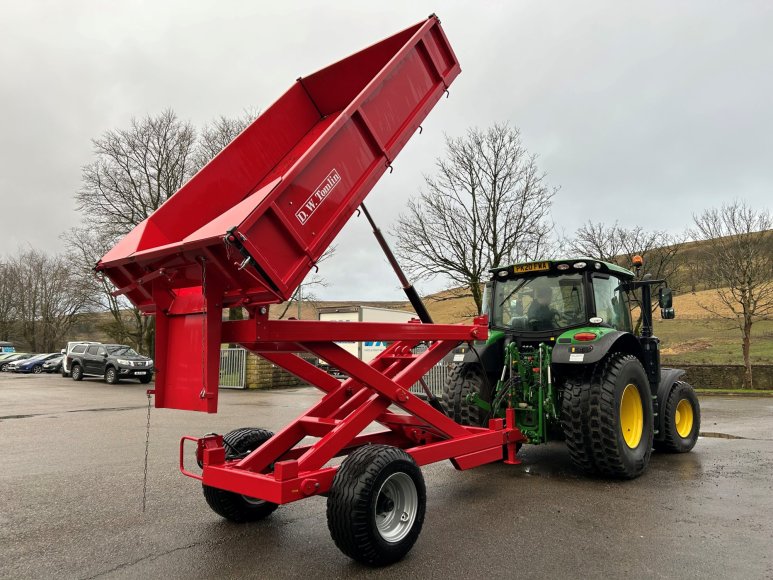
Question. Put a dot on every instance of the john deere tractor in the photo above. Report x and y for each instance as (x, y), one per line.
(562, 353)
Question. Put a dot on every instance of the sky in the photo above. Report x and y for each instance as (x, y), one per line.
(641, 113)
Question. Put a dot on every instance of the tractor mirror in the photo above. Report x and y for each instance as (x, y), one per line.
(667, 313)
(666, 299)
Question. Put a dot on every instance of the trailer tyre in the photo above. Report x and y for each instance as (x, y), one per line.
(575, 408)
(76, 372)
(681, 420)
(621, 423)
(233, 506)
(463, 380)
(376, 505)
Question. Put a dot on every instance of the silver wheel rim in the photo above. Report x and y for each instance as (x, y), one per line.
(397, 504)
(111, 375)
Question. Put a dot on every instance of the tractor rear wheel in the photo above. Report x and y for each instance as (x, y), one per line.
(463, 380)
(575, 398)
(681, 419)
(376, 505)
(233, 506)
(620, 418)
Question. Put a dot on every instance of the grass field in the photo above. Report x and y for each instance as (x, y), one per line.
(711, 341)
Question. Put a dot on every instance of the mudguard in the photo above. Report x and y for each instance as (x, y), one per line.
(584, 353)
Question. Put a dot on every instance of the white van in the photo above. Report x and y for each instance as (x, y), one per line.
(65, 351)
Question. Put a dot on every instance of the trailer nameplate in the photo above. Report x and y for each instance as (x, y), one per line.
(318, 196)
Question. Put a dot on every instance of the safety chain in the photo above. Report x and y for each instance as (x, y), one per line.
(147, 446)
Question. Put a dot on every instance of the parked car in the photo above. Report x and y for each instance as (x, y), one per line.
(33, 364)
(13, 358)
(5, 355)
(68, 349)
(114, 362)
(53, 365)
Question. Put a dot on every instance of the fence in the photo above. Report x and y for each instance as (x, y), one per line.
(434, 379)
(233, 366)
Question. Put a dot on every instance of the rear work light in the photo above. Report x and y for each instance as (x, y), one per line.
(585, 336)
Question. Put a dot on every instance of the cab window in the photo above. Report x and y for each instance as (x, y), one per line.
(611, 302)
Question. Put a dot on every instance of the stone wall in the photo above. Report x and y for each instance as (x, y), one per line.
(261, 374)
(727, 376)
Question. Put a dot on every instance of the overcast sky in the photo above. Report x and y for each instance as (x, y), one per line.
(642, 113)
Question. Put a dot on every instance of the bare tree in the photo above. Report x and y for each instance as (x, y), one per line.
(49, 297)
(487, 205)
(738, 250)
(135, 171)
(8, 302)
(597, 240)
(658, 249)
(217, 134)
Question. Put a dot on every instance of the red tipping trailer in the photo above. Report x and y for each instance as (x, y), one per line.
(245, 231)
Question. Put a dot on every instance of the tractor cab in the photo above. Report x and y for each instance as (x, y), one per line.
(542, 300)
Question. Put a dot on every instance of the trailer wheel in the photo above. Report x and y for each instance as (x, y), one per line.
(376, 505)
(575, 398)
(233, 506)
(620, 417)
(76, 373)
(681, 421)
(464, 379)
(111, 376)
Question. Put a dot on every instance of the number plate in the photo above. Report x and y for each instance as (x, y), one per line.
(531, 267)
(140, 373)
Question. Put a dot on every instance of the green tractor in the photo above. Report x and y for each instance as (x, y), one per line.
(563, 355)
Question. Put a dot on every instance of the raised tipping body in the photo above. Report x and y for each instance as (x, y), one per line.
(248, 227)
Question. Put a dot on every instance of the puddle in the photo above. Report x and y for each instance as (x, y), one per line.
(720, 435)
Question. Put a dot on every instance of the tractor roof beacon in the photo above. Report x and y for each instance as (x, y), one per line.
(562, 357)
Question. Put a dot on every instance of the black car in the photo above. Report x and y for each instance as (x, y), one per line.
(53, 365)
(111, 361)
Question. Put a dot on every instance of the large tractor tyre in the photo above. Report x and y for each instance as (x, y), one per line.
(76, 373)
(376, 505)
(464, 379)
(620, 417)
(233, 506)
(575, 408)
(681, 419)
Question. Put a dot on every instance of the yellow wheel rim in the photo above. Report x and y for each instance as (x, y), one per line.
(631, 416)
(684, 418)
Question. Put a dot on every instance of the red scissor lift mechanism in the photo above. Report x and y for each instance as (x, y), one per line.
(247, 229)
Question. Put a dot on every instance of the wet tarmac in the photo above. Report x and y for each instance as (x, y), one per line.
(71, 489)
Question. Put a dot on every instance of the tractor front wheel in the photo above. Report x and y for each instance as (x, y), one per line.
(620, 417)
(376, 505)
(464, 380)
(681, 419)
(233, 506)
